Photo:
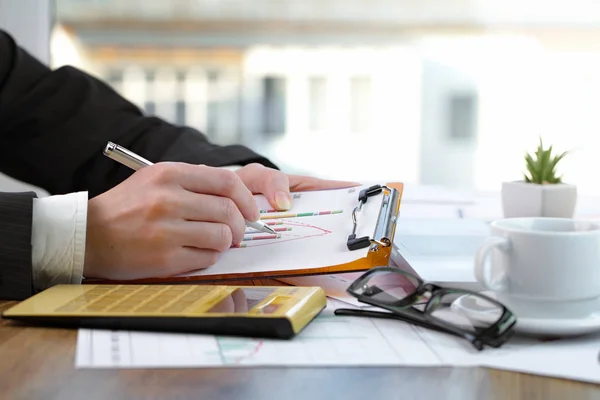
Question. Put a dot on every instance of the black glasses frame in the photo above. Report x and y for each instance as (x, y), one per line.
(403, 309)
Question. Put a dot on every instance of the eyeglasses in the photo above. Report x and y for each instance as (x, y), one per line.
(475, 317)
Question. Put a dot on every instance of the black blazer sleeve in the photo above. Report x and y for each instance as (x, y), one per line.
(55, 124)
(16, 281)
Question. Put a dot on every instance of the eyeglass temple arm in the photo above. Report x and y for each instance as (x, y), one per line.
(387, 315)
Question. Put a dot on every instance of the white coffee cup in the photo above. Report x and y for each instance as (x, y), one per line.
(542, 267)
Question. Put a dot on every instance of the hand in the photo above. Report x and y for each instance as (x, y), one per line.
(166, 219)
(276, 185)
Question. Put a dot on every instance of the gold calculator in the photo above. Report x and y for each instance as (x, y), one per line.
(256, 311)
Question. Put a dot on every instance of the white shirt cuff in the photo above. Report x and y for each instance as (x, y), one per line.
(58, 239)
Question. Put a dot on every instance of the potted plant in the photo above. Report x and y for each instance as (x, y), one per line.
(542, 192)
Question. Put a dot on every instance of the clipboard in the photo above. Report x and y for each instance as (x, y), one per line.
(379, 245)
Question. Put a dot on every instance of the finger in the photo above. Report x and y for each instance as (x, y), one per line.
(206, 209)
(219, 182)
(300, 183)
(252, 176)
(187, 259)
(205, 235)
(272, 183)
(275, 186)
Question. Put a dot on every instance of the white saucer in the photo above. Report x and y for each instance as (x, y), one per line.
(552, 327)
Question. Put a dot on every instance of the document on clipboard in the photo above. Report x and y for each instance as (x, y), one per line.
(328, 231)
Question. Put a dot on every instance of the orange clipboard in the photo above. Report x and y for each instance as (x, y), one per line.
(380, 249)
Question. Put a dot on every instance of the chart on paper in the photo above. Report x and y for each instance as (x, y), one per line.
(327, 340)
(338, 341)
(312, 234)
(287, 227)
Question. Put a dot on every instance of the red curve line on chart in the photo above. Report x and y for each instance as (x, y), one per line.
(254, 352)
(286, 222)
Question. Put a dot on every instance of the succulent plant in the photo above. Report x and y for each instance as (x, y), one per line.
(542, 166)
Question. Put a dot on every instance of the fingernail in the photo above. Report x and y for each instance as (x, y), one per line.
(283, 200)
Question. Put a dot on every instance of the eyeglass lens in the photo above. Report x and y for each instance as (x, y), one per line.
(468, 311)
(388, 287)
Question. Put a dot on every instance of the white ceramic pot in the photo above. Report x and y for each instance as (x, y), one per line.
(522, 199)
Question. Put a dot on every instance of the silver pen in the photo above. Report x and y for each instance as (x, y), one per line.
(135, 162)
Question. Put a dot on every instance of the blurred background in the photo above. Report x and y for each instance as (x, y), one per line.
(447, 92)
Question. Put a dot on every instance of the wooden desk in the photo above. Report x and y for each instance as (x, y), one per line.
(38, 363)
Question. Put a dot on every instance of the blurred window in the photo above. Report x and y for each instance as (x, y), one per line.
(274, 106)
(447, 91)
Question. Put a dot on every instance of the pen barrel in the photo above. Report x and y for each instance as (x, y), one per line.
(261, 226)
(125, 156)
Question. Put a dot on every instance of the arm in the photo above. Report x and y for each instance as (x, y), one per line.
(58, 239)
(55, 124)
(53, 128)
(42, 242)
(15, 245)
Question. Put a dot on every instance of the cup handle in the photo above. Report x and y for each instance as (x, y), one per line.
(496, 283)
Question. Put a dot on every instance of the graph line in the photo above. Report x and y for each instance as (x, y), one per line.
(263, 237)
(298, 215)
(252, 232)
(316, 231)
(226, 346)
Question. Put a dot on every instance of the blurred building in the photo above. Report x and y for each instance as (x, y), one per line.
(448, 93)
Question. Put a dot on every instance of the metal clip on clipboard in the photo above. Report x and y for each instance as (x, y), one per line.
(383, 235)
